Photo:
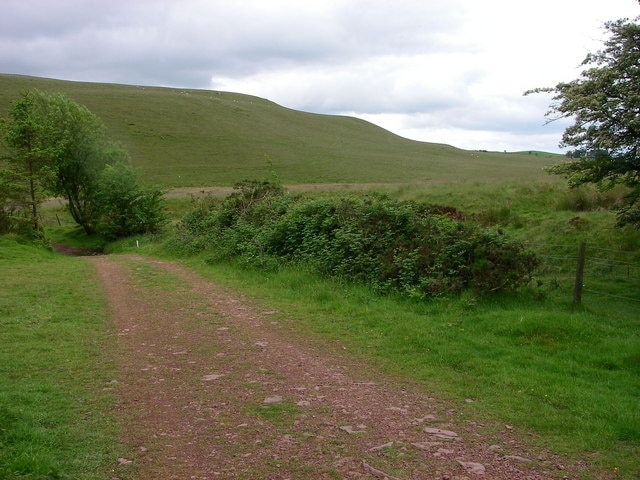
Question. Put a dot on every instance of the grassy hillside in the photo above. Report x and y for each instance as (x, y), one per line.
(182, 138)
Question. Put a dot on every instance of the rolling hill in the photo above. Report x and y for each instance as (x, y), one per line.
(193, 138)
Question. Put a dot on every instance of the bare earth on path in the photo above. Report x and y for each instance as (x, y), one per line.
(212, 386)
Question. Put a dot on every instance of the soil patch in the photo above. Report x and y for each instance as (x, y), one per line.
(74, 251)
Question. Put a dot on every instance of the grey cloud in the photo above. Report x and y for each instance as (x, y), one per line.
(152, 40)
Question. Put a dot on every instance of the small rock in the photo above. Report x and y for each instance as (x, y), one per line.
(398, 409)
(124, 461)
(378, 473)
(439, 433)
(269, 400)
(443, 451)
(518, 458)
(472, 467)
(381, 447)
(418, 421)
(213, 376)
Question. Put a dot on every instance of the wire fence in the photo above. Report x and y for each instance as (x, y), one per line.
(607, 276)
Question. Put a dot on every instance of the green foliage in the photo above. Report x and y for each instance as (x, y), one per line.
(25, 136)
(60, 147)
(14, 217)
(604, 103)
(404, 246)
(126, 208)
(81, 151)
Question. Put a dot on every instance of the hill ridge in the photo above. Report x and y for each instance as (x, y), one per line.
(180, 137)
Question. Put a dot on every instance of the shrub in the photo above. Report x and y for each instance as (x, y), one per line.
(126, 208)
(392, 245)
(236, 225)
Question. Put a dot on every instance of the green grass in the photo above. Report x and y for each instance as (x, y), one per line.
(281, 415)
(182, 138)
(54, 369)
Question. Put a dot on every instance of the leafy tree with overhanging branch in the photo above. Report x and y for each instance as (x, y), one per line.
(604, 103)
(57, 147)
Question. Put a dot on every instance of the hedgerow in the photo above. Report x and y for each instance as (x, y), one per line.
(404, 246)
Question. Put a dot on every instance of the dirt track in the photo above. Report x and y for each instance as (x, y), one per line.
(211, 386)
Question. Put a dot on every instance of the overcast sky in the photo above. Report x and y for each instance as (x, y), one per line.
(447, 71)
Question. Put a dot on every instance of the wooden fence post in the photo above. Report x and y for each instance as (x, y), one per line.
(577, 286)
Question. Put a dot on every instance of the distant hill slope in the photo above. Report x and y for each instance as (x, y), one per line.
(182, 138)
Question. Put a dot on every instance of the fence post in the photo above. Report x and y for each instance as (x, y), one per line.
(577, 286)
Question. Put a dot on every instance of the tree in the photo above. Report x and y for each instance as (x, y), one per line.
(80, 151)
(15, 216)
(59, 147)
(27, 156)
(605, 106)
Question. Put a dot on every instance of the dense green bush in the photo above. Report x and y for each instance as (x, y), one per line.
(411, 247)
(125, 207)
(232, 226)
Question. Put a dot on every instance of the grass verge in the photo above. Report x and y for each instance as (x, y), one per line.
(54, 370)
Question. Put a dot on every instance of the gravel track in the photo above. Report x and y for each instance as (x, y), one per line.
(213, 386)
